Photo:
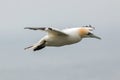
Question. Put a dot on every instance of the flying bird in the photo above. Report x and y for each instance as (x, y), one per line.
(57, 37)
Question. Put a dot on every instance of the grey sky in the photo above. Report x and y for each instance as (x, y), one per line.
(90, 59)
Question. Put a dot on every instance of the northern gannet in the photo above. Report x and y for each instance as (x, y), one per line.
(56, 37)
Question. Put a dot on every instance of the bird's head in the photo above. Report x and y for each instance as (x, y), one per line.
(87, 32)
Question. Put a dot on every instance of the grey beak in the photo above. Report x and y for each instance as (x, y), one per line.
(94, 36)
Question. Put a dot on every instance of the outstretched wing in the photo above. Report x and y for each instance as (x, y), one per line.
(51, 31)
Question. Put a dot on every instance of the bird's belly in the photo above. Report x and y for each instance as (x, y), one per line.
(61, 41)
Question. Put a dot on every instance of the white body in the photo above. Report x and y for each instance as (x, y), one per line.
(56, 37)
(72, 37)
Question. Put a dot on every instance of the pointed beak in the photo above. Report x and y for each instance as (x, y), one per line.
(94, 36)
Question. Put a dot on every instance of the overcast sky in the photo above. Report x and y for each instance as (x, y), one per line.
(91, 59)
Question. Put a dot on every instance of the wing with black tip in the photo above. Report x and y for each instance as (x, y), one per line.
(51, 31)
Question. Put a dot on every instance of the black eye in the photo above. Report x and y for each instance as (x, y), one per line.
(89, 33)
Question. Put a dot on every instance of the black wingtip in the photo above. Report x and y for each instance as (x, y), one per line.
(28, 47)
(35, 28)
(26, 28)
(90, 25)
(40, 46)
(31, 28)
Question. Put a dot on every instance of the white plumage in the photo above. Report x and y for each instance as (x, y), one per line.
(56, 37)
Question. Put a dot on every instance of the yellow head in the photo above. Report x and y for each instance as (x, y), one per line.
(86, 32)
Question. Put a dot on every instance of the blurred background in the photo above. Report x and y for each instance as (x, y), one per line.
(91, 59)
